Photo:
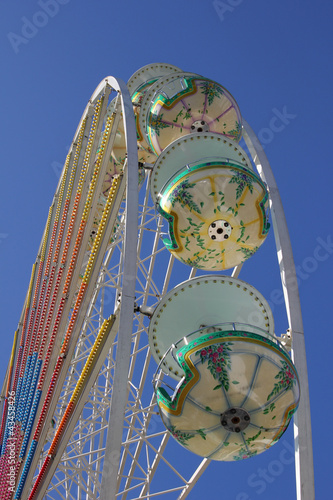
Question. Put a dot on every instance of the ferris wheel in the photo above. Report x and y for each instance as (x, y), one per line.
(139, 342)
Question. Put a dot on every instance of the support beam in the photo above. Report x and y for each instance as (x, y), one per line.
(119, 390)
(302, 419)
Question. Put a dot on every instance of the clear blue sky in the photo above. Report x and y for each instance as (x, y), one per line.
(276, 59)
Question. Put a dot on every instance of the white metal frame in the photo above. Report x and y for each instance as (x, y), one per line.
(119, 390)
(302, 418)
(115, 425)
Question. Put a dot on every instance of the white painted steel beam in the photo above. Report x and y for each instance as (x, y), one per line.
(194, 479)
(119, 391)
(302, 418)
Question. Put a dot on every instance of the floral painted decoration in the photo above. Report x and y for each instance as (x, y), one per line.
(211, 90)
(286, 380)
(218, 358)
